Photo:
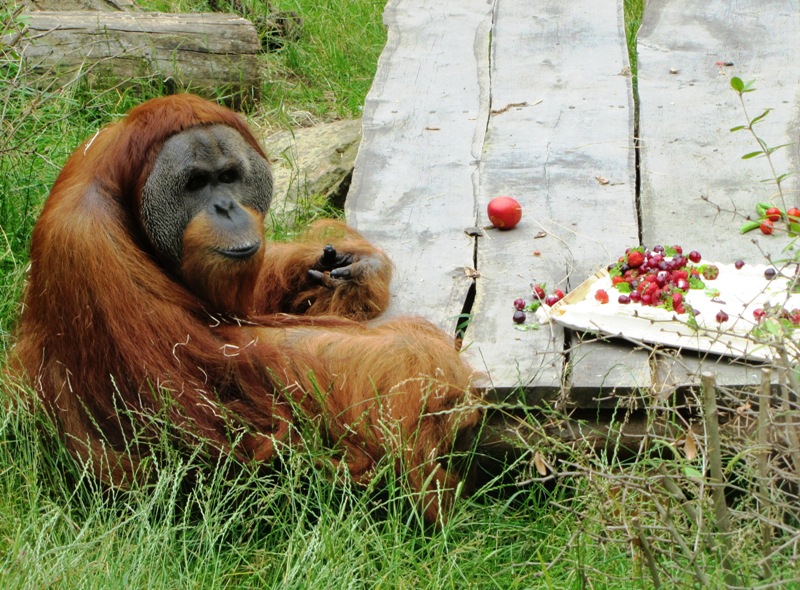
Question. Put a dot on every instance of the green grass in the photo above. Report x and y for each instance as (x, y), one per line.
(201, 525)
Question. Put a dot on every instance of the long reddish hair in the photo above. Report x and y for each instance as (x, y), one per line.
(105, 331)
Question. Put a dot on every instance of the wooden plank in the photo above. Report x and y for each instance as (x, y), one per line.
(413, 189)
(686, 110)
(204, 53)
(562, 115)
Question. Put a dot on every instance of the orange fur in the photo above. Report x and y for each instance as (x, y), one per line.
(241, 350)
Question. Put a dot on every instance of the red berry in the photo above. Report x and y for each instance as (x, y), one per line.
(551, 300)
(680, 274)
(766, 227)
(519, 304)
(721, 316)
(793, 213)
(710, 272)
(678, 249)
(559, 293)
(635, 259)
(601, 296)
(624, 299)
(694, 256)
(538, 292)
(773, 214)
(738, 264)
(759, 314)
(504, 212)
(794, 316)
(519, 317)
(770, 273)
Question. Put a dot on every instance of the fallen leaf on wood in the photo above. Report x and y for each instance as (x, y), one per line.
(510, 105)
(690, 446)
(538, 461)
(475, 232)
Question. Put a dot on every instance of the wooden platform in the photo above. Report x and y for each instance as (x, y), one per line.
(475, 99)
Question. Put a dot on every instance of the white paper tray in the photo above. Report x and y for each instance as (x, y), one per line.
(740, 293)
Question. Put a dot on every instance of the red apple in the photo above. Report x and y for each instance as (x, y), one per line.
(504, 212)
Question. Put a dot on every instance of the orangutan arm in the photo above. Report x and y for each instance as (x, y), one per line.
(305, 277)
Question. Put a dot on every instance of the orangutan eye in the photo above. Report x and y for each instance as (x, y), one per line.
(229, 175)
(196, 182)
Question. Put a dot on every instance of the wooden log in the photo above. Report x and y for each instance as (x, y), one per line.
(60, 5)
(559, 139)
(413, 188)
(210, 54)
(695, 188)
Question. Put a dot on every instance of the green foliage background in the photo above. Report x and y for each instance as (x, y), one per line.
(233, 526)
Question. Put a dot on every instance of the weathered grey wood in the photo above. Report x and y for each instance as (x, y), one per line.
(565, 67)
(80, 4)
(549, 120)
(204, 53)
(686, 111)
(414, 185)
(606, 373)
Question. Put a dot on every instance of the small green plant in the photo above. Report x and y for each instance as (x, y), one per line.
(766, 213)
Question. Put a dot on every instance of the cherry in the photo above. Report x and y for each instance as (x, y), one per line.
(721, 316)
(624, 299)
(773, 214)
(770, 273)
(519, 317)
(694, 256)
(551, 300)
(759, 314)
(766, 227)
(738, 264)
(538, 292)
(519, 304)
